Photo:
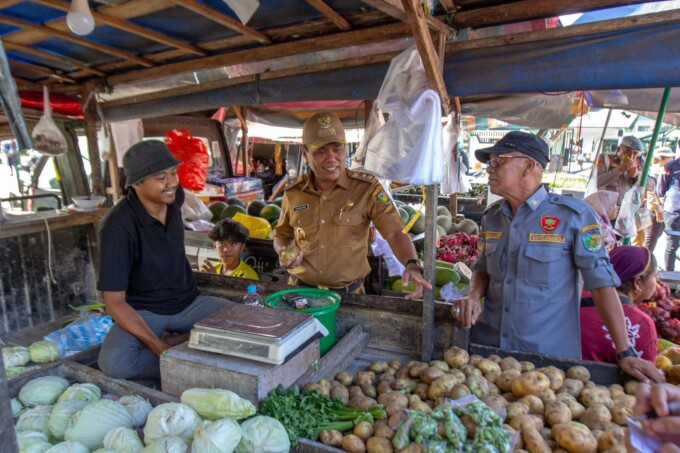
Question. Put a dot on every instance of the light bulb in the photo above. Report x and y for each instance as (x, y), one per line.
(79, 18)
(614, 98)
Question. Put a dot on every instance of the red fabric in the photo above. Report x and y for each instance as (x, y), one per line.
(193, 172)
(61, 103)
(596, 346)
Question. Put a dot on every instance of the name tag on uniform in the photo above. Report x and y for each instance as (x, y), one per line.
(492, 234)
(590, 227)
(302, 207)
(554, 238)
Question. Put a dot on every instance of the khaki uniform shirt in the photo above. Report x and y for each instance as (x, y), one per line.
(331, 228)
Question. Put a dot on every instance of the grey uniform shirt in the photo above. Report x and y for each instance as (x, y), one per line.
(533, 260)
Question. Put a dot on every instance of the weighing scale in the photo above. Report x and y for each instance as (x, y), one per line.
(252, 332)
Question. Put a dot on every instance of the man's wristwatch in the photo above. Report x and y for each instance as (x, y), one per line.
(630, 352)
(418, 263)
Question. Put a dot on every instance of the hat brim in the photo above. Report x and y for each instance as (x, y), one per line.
(483, 154)
(325, 141)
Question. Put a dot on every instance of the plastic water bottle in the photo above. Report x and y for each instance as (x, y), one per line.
(251, 297)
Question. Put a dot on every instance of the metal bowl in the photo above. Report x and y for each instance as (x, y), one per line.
(88, 203)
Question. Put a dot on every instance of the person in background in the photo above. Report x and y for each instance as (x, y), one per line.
(661, 157)
(666, 426)
(327, 213)
(535, 248)
(146, 281)
(229, 239)
(668, 188)
(621, 171)
(637, 269)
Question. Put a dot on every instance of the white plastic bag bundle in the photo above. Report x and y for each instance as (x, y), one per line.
(455, 180)
(408, 147)
(194, 209)
(47, 138)
(625, 222)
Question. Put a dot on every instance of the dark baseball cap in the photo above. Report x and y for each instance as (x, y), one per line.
(528, 144)
(634, 143)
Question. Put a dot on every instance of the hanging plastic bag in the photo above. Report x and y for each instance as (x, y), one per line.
(47, 138)
(194, 209)
(455, 180)
(408, 147)
(625, 222)
(193, 172)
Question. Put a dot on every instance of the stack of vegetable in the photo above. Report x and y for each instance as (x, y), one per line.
(543, 410)
(459, 248)
(665, 312)
(16, 358)
(668, 360)
(56, 417)
(476, 191)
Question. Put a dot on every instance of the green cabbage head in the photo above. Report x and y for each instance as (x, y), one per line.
(44, 351)
(170, 444)
(42, 391)
(90, 425)
(220, 436)
(123, 439)
(16, 356)
(170, 419)
(69, 446)
(138, 407)
(262, 434)
(35, 419)
(86, 392)
(61, 414)
(214, 404)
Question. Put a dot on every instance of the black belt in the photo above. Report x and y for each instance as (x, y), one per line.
(342, 289)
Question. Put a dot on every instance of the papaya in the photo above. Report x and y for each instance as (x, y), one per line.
(445, 264)
(443, 275)
(399, 287)
(662, 344)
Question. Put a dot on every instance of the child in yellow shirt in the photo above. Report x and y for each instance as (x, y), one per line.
(229, 239)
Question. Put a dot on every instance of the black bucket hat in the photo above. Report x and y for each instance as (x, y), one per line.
(145, 159)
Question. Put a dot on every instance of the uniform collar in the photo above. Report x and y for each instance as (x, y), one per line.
(533, 201)
(343, 181)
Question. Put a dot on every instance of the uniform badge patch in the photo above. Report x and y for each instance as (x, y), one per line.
(554, 238)
(492, 234)
(383, 198)
(590, 227)
(302, 207)
(549, 223)
(592, 242)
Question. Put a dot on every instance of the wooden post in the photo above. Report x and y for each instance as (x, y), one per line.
(427, 331)
(115, 190)
(8, 438)
(90, 113)
(241, 115)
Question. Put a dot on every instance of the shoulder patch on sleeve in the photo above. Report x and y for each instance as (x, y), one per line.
(576, 205)
(360, 175)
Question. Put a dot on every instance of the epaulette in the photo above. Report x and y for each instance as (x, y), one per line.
(294, 182)
(360, 175)
(575, 204)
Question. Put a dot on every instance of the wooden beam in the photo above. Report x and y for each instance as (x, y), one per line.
(128, 27)
(427, 52)
(567, 32)
(48, 56)
(41, 70)
(90, 114)
(7, 3)
(50, 32)
(530, 9)
(395, 9)
(330, 14)
(225, 21)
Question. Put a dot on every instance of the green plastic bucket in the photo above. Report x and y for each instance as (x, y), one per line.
(325, 314)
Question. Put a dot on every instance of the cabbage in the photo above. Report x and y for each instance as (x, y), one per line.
(69, 446)
(214, 404)
(221, 436)
(35, 419)
(17, 407)
(61, 414)
(86, 392)
(138, 407)
(106, 450)
(90, 425)
(44, 351)
(40, 447)
(16, 356)
(27, 439)
(263, 434)
(19, 370)
(42, 391)
(170, 444)
(123, 439)
(170, 419)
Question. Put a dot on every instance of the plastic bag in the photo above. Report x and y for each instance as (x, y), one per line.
(625, 222)
(193, 173)
(83, 333)
(451, 293)
(408, 147)
(47, 138)
(194, 209)
(258, 228)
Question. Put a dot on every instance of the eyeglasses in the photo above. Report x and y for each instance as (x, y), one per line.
(494, 160)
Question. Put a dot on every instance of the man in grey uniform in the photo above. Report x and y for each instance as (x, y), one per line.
(534, 245)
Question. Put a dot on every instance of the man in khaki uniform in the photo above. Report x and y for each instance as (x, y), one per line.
(327, 214)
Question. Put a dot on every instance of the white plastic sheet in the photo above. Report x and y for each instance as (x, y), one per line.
(455, 180)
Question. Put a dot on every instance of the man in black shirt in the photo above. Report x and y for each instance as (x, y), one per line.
(146, 281)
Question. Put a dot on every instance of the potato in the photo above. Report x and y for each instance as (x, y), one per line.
(555, 375)
(412, 399)
(417, 368)
(545, 434)
(562, 396)
(363, 430)
(596, 416)
(459, 375)
(534, 403)
(388, 373)
(421, 390)
(421, 406)
(412, 448)
(491, 377)
(325, 387)
(395, 420)
(515, 409)
(382, 430)
(355, 391)
(458, 391)
(402, 373)
(534, 442)
(384, 387)
(394, 408)
(361, 402)
(495, 358)
(431, 373)
(440, 364)
(341, 393)
(579, 373)
(572, 387)
(387, 399)
(353, 444)
(344, 378)
(510, 363)
(504, 380)
(574, 437)
(441, 386)
(624, 400)
(495, 402)
(478, 386)
(456, 356)
(395, 364)
(611, 438)
(509, 397)
(525, 421)
(493, 389)
(470, 370)
(475, 359)
(369, 390)
(596, 433)
(365, 377)
(312, 387)
(575, 408)
(379, 445)
(488, 366)
(378, 366)
(619, 414)
(331, 437)
(526, 366)
(547, 396)
(402, 384)
(595, 395)
(556, 413)
(617, 449)
(529, 383)
(470, 425)
(616, 389)
(631, 387)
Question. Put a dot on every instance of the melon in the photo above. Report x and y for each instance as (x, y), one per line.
(404, 215)
(216, 209)
(235, 201)
(278, 201)
(230, 211)
(271, 212)
(419, 226)
(255, 207)
(443, 210)
(410, 209)
(441, 231)
(468, 226)
(445, 222)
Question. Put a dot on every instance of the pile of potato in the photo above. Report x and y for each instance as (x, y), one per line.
(550, 409)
